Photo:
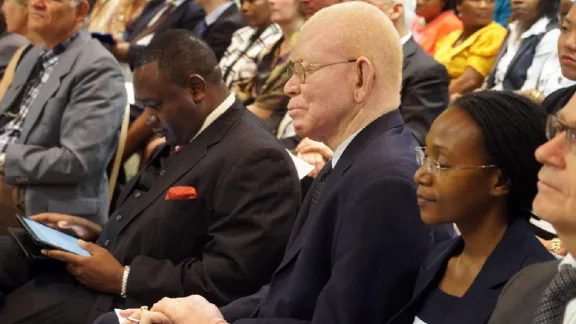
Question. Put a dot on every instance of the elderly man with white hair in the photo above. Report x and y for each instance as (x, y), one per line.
(425, 84)
(358, 242)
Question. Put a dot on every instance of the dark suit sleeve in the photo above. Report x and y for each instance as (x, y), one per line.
(254, 211)
(380, 244)
(244, 307)
(219, 36)
(425, 97)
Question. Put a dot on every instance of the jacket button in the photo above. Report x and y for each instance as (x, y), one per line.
(137, 194)
(119, 217)
(107, 242)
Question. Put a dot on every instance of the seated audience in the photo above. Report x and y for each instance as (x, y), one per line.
(436, 19)
(310, 7)
(502, 12)
(12, 31)
(531, 38)
(263, 95)
(567, 62)
(365, 191)
(478, 171)
(222, 18)
(469, 54)
(545, 292)
(210, 214)
(238, 64)
(112, 16)
(60, 119)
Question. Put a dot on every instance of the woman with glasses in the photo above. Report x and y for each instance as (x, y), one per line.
(478, 171)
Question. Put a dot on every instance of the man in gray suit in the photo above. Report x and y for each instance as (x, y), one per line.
(59, 121)
(545, 293)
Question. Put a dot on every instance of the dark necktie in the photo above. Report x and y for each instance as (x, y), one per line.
(152, 27)
(560, 291)
(320, 183)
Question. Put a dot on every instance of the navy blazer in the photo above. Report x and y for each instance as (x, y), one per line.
(517, 249)
(185, 16)
(354, 257)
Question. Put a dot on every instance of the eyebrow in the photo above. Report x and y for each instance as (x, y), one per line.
(567, 20)
(562, 117)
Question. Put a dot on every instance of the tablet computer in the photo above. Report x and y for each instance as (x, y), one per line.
(50, 238)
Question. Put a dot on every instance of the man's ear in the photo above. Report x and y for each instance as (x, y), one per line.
(396, 11)
(502, 185)
(364, 75)
(197, 87)
(82, 10)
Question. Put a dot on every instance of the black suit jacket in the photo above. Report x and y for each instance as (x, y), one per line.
(425, 85)
(354, 257)
(520, 297)
(223, 245)
(219, 34)
(517, 249)
(185, 16)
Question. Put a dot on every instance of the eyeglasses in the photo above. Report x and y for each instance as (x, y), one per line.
(555, 127)
(299, 69)
(435, 167)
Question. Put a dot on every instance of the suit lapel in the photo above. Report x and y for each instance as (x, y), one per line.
(307, 216)
(188, 158)
(408, 49)
(65, 62)
(20, 78)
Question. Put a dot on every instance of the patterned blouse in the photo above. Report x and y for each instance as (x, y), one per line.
(239, 62)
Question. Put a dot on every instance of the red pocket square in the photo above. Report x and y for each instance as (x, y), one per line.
(181, 192)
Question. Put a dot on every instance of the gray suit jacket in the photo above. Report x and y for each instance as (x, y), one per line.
(9, 43)
(519, 298)
(70, 133)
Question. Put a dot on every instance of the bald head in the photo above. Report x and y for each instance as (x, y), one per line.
(353, 30)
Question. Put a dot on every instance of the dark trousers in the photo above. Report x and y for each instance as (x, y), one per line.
(108, 318)
(39, 292)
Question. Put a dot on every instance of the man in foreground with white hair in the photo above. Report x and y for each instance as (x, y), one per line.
(358, 242)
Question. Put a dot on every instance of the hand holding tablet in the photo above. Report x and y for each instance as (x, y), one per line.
(49, 238)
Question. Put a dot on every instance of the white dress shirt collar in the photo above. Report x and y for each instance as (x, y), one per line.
(406, 37)
(538, 27)
(214, 15)
(341, 148)
(219, 111)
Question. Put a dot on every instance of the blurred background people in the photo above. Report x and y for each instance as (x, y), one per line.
(112, 16)
(264, 94)
(478, 171)
(502, 12)
(532, 37)
(469, 54)
(240, 60)
(436, 19)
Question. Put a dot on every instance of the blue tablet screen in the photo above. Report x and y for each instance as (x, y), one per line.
(55, 238)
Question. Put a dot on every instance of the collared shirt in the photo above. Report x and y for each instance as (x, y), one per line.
(214, 15)
(570, 313)
(144, 41)
(49, 59)
(219, 111)
(549, 77)
(547, 44)
(239, 62)
(341, 148)
(406, 37)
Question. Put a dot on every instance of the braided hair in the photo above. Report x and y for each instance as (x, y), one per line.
(512, 128)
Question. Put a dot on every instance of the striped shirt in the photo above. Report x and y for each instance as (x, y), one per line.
(239, 62)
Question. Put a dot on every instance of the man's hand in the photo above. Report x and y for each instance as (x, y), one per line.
(120, 50)
(100, 271)
(190, 310)
(315, 153)
(77, 226)
(145, 317)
